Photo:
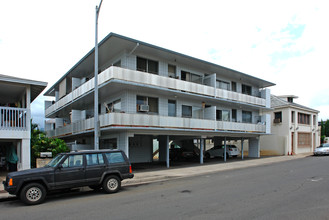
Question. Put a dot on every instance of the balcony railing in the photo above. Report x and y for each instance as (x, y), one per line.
(143, 78)
(13, 118)
(155, 121)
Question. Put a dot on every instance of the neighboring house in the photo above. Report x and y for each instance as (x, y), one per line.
(150, 96)
(294, 127)
(16, 95)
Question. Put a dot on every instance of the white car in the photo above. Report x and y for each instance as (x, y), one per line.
(218, 151)
(323, 149)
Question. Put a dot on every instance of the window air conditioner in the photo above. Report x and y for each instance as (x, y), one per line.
(143, 108)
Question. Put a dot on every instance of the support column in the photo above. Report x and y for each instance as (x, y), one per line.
(19, 154)
(123, 142)
(201, 149)
(225, 149)
(25, 159)
(254, 147)
(167, 154)
(242, 140)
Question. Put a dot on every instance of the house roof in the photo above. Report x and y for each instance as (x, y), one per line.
(277, 102)
(113, 44)
(12, 87)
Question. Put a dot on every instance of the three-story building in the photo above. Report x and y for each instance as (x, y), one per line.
(150, 96)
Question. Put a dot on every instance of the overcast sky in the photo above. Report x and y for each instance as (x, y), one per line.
(284, 42)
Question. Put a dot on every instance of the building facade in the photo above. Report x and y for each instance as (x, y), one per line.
(16, 95)
(294, 127)
(150, 96)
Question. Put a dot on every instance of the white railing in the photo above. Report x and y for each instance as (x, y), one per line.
(143, 78)
(13, 118)
(155, 121)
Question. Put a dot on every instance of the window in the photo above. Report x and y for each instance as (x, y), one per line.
(292, 116)
(303, 119)
(149, 66)
(222, 85)
(94, 159)
(115, 157)
(190, 77)
(222, 115)
(114, 106)
(277, 117)
(141, 100)
(234, 115)
(246, 117)
(304, 139)
(172, 71)
(314, 120)
(152, 103)
(186, 111)
(233, 86)
(73, 161)
(246, 89)
(172, 108)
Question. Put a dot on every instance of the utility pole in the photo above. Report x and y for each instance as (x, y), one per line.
(96, 118)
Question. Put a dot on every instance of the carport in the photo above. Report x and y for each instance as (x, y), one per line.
(253, 143)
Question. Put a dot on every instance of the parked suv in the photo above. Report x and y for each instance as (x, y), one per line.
(96, 169)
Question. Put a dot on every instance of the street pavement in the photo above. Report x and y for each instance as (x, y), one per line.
(144, 176)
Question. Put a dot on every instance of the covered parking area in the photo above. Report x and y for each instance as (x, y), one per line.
(143, 146)
(204, 143)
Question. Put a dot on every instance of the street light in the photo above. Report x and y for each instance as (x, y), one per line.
(96, 119)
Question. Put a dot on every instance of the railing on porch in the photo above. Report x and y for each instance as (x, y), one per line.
(143, 78)
(13, 118)
(155, 121)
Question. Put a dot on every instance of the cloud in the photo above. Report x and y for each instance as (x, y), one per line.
(284, 42)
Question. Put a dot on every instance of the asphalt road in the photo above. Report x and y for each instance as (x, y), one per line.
(297, 189)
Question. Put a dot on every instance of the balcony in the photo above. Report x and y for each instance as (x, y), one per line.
(154, 121)
(14, 123)
(142, 78)
(13, 118)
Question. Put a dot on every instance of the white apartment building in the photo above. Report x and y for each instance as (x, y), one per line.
(16, 96)
(294, 127)
(150, 96)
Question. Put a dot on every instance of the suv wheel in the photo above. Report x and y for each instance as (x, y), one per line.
(33, 193)
(111, 184)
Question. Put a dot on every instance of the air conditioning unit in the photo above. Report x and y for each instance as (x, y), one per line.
(143, 108)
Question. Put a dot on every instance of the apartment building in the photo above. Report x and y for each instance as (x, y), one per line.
(294, 127)
(16, 96)
(150, 97)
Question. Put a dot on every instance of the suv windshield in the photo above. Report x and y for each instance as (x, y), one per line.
(55, 161)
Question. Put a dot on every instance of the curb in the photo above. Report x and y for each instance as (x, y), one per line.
(147, 177)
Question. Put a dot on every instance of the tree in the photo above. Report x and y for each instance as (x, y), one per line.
(41, 143)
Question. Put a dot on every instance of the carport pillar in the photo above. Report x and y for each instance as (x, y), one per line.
(164, 149)
(224, 149)
(167, 155)
(25, 154)
(242, 148)
(123, 143)
(201, 149)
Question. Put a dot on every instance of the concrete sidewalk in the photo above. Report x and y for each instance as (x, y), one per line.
(149, 176)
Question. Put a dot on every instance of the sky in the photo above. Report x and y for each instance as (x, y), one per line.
(284, 42)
